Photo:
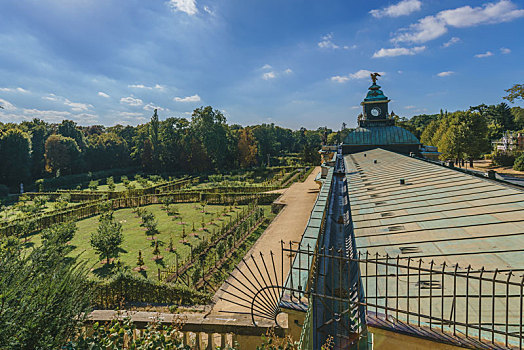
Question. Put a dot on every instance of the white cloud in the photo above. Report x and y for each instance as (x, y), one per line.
(194, 98)
(340, 79)
(187, 6)
(76, 106)
(361, 74)
(445, 74)
(139, 86)
(152, 107)
(505, 50)
(288, 71)
(49, 115)
(269, 75)
(451, 41)
(8, 106)
(18, 89)
(410, 107)
(103, 94)
(208, 10)
(132, 101)
(266, 66)
(485, 54)
(398, 51)
(326, 42)
(51, 97)
(403, 8)
(145, 87)
(431, 27)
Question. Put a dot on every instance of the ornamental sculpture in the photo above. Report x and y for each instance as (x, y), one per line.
(374, 77)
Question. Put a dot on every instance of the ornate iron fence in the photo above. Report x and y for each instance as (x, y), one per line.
(479, 304)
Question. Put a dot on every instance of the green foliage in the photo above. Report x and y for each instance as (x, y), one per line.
(15, 164)
(110, 183)
(133, 288)
(519, 163)
(271, 342)
(62, 154)
(118, 335)
(93, 185)
(43, 295)
(499, 158)
(516, 92)
(107, 239)
(140, 259)
(59, 234)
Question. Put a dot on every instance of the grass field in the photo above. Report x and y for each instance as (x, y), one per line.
(135, 239)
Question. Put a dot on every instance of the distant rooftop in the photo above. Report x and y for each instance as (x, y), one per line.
(380, 135)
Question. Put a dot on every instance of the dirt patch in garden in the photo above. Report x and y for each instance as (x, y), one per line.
(289, 225)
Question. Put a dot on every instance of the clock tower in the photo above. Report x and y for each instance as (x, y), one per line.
(375, 107)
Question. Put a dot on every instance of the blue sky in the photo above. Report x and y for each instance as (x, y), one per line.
(292, 62)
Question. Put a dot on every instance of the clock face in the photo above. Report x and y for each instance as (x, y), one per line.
(375, 111)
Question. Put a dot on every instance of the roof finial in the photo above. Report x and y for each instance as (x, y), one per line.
(374, 77)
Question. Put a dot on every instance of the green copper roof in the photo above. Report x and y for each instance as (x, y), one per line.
(375, 94)
(380, 135)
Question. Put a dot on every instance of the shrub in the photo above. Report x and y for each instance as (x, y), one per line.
(519, 163)
(93, 185)
(502, 158)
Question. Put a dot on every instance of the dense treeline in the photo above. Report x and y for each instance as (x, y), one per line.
(36, 149)
(465, 134)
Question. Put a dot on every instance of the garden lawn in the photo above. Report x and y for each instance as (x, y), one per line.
(135, 238)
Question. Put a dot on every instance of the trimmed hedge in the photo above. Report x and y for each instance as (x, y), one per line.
(127, 288)
(53, 183)
(88, 209)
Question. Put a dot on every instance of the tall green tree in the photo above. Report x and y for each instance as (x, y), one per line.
(62, 154)
(209, 126)
(15, 155)
(68, 128)
(247, 148)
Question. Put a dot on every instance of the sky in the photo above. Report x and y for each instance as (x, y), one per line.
(290, 62)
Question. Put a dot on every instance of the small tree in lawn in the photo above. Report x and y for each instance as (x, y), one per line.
(195, 277)
(170, 247)
(203, 205)
(202, 223)
(156, 252)
(107, 239)
(110, 183)
(93, 185)
(140, 261)
(221, 249)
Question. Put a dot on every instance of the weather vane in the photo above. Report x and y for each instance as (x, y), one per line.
(374, 77)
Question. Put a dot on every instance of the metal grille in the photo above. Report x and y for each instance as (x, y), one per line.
(483, 305)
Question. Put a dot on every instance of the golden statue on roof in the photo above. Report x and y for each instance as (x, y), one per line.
(374, 77)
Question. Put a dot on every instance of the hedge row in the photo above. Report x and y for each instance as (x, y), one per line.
(126, 288)
(54, 183)
(85, 210)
